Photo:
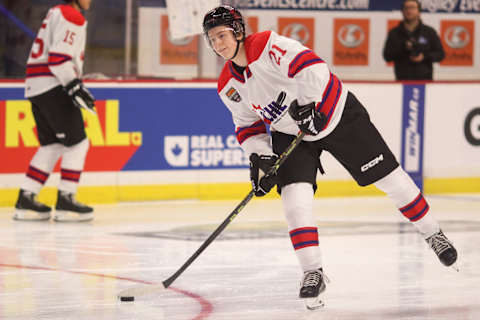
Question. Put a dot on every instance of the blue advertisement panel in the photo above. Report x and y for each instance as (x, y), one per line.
(413, 131)
(135, 129)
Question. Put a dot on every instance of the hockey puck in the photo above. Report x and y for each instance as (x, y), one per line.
(124, 299)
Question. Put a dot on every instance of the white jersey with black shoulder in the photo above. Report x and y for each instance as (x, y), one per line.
(276, 64)
(56, 57)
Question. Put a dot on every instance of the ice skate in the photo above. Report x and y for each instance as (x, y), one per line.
(29, 209)
(70, 210)
(444, 249)
(312, 285)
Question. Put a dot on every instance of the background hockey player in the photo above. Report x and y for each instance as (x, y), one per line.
(53, 85)
(261, 66)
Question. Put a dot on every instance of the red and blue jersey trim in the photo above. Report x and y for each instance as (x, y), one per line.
(330, 97)
(38, 70)
(228, 72)
(416, 209)
(235, 74)
(43, 69)
(57, 58)
(301, 61)
(304, 237)
(246, 132)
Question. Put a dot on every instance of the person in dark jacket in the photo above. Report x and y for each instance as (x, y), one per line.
(413, 46)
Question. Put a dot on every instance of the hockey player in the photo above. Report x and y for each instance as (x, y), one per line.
(257, 69)
(54, 87)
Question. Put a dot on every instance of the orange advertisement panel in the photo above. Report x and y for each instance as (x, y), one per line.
(391, 23)
(178, 51)
(252, 24)
(457, 38)
(301, 29)
(351, 39)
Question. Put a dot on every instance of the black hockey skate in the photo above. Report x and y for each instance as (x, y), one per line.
(444, 249)
(312, 285)
(68, 209)
(29, 209)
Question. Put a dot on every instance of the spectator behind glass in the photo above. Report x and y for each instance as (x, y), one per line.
(413, 46)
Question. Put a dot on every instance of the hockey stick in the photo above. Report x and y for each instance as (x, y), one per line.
(130, 293)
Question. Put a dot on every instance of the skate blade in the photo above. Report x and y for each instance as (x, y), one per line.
(455, 267)
(314, 303)
(27, 215)
(68, 216)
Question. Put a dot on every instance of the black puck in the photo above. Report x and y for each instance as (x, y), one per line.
(127, 298)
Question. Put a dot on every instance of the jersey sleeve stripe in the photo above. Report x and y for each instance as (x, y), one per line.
(246, 132)
(58, 58)
(301, 61)
(330, 98)
(43, 69)
(38, 70)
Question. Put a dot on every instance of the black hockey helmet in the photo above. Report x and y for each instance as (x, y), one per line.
(224, 16)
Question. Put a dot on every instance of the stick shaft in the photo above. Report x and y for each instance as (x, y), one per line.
(234, 213)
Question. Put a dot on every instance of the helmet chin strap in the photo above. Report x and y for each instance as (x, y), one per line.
(236, 50)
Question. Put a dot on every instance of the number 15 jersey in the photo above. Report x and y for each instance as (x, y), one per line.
(56, 57)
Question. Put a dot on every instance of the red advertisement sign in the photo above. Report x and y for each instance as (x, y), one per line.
(178, 51)
(301, 29)
(110, 149)
(457, 38)
(351, 39)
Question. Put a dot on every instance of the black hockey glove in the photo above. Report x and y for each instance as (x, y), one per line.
(307, 118)
(81, 97)
(259, 166)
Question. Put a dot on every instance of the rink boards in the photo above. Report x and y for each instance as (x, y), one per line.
(175, 140)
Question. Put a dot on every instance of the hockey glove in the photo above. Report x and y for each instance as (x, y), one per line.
(259, 166)
(307, 118)
(81, 97)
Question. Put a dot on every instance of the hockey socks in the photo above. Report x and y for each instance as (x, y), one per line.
(41, 166)
(297, 201)
(407, 197)
(72, 164)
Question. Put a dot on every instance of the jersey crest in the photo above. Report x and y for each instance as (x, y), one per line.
(233, 95)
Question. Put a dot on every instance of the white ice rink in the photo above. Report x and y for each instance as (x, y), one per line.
(378, 265)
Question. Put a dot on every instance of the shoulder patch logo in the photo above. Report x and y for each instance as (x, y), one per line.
(233, 95)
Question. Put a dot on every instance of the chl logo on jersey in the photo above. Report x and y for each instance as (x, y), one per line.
(271, 113)
(233, 95)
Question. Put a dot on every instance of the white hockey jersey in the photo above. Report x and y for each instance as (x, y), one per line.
(276, 64)
(56, 57)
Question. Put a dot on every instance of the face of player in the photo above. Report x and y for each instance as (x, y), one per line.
(223, 41)
(411, 11)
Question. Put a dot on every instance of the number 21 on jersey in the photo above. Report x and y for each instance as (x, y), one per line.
(276, 54)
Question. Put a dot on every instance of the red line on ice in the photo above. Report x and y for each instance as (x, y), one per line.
(206, 310)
